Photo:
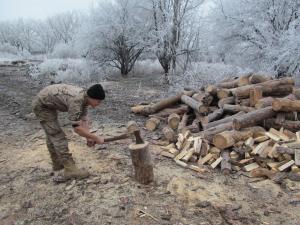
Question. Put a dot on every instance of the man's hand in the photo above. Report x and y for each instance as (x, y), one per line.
(99, 140)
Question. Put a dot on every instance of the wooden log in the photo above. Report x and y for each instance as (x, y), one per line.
(203, 97)
(296, 92)
(182, 124)
(162, 104)
(286, 165)
(228, 100)
(142, 162)
(211, 89)
(273, 87)
(194, 127)
(286, 105)
(297, 157)
(264, 102)
(240, 81)
(223, 93)
(243, 102)
(255, 95)
(173, 121)
(222, 121)
(293, 126)
(168, 111)
(257, 78)
(227, 139)
(225, 163)
(285, 150)
(253, 118)
(211, 132)
(198, 106)
(217, 114)
(169, 134)
(152, 123)
(293, 116)
(237, 108)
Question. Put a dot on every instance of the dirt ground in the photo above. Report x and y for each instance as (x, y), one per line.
(28, 194)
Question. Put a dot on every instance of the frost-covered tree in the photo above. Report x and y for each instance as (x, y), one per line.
(261, 34)
(116, 34)
(171, 24)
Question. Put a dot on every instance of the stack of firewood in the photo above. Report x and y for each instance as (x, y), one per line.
(249, 123)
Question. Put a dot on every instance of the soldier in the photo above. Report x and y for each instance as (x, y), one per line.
(75, 101)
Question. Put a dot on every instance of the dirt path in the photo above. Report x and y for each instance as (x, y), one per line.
(179, 196)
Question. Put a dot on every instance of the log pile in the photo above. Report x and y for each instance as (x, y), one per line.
(249, 123)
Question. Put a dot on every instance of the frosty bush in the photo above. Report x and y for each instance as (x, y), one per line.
(202, 73)
(63, 51)
(9, 52)
(69, 70)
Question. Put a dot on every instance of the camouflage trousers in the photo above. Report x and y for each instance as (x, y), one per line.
(56, 140)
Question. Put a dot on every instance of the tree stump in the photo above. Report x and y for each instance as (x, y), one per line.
(140, 155)
(142, 162)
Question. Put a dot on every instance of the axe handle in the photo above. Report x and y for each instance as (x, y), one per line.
(115, 138)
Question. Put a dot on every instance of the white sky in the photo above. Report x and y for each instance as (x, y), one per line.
(40, 9)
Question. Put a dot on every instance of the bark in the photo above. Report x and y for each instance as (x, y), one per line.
(142, 163)
(237, 108)
(253, 118)
(293, 126)
(255, 95)
(165, 103)
(168, 111)
(228, 100)
(169, 134)
(225, 163)
(210, 133)
(222, 121)
(256, 78)
(286, 105)
(198, 106)
(227, 139)
(183, 123)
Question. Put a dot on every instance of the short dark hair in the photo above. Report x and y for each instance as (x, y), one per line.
(96, 91)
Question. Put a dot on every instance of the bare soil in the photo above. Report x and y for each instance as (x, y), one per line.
(28, 194)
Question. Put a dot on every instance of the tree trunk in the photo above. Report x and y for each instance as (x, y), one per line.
(183, 123)
(228, 100)
(255, 95)
(168, 111)
(253, 118)
(169, 134)
(152, 123)
(210, 133)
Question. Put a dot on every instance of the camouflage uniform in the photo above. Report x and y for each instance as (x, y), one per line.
(64, 98)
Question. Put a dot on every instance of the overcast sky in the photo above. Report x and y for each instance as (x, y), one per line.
(39, 9)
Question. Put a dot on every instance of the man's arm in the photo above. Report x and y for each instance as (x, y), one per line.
(84, 132)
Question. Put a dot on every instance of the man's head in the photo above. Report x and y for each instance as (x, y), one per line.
(95, 95)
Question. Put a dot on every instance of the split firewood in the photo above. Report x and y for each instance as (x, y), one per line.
(197, 145)
(169, 134)
(285, 150)
(165, 103)
(227, 139)
(228, 100)
(297, 157)
(255, 95)
(225, 163)
(216, 162)
(253, 118)
(222, 121)
(152, 123)
(251, 167)
(237, 108)
(205, 159)
(173, 121)
(286, 165)
(281, 135)
(282, 116)
(182, 124)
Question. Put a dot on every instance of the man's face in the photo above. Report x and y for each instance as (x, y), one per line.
(94, 102)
